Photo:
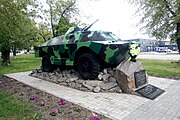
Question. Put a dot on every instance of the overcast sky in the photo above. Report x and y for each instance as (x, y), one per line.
(117, 16)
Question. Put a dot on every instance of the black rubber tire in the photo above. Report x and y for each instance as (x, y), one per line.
(88, 66)
(46, 64)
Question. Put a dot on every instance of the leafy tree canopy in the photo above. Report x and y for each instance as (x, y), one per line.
(63, 26)
(61, 10)
(16, 30)
(161, 18)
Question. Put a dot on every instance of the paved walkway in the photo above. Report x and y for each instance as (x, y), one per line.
(117, 106)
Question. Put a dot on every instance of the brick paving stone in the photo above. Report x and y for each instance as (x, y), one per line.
(166, 108)
(117, 106)
(176, 118)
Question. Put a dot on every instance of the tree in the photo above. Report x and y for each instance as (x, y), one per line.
(161, 18)
(44, 34)
(55, 19)
(63, 26)
(17, 30)
(59, 10)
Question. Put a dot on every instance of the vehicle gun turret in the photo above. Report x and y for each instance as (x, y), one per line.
(87, 27)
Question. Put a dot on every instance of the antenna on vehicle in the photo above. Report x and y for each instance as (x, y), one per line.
(86, 28)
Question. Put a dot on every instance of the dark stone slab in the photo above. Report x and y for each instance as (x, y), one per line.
(150, 92)
(140, 78)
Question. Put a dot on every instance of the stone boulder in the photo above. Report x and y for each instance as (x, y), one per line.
(96, 89)
(106, 81)
(107, 86)
(125, 75)
(93, 83)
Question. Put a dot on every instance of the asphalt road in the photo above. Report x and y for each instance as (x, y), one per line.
(151, 55)
(160, 56)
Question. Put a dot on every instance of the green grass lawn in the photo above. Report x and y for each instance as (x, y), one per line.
(28, 62)
(163, 68)
(11, 109)
(24, 62)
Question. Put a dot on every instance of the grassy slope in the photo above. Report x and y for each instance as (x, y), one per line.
(25, 62)
(164, 68)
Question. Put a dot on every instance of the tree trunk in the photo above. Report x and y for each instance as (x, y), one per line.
(178, 36)
(14, 51)
(5, 57)
(52, 25)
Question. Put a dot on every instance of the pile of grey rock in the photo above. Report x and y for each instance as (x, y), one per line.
(106, 81)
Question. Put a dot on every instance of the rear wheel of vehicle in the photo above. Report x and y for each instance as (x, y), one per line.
(46, 64)
(88, 66)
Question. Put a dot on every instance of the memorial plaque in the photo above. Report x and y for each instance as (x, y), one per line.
(150, 91)
(140, 78)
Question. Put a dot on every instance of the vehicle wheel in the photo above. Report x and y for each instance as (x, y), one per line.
(88, 66)
(46, 64)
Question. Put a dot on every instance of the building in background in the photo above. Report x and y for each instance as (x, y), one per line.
(149, 45)
(168, 45)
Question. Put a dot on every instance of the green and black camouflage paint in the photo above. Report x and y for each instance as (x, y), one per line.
(65, 49)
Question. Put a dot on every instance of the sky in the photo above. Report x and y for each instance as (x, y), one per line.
(117, 16)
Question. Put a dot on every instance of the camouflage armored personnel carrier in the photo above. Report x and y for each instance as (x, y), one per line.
(88, 51)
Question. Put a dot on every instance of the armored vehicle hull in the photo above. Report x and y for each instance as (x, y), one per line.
(87, 50)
